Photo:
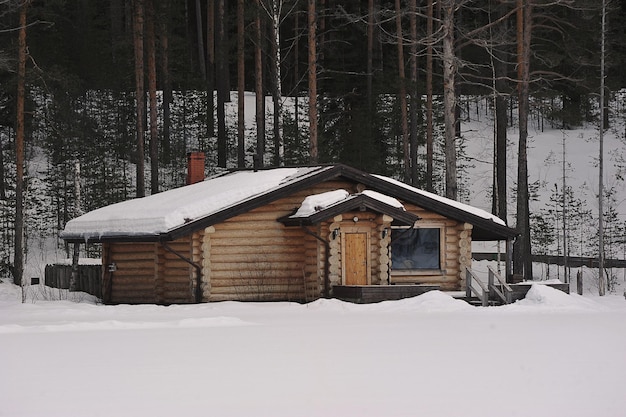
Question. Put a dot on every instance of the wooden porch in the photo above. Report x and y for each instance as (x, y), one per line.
(364, 294)
(494, 292)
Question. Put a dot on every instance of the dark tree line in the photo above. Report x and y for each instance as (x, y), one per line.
(371, 83)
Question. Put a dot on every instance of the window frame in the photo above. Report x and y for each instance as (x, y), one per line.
(442, 244)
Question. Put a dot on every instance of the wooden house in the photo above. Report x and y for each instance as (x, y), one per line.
(282, 234)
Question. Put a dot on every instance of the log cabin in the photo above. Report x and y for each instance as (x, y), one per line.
(282, 234)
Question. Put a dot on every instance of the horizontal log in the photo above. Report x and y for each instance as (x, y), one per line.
(419, 279)
(180, 279)
(250, 249)
(140, 264)
(118, 278)
(256, 266)
(216, 275)
(131, 256)
(258, 232)
(182, 270)
(251, 258)
(132, 248)
(258, 296)
(260, 242)
(175, 263)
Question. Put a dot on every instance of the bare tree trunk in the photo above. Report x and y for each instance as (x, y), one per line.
(404, 119)
(210, 46)
(296, 78)
(223, 89)
(166, 83)
(152, 86)
(260, 96)
(522, 247)
(18, 259)
(370, 55)
(501, 105)
(313, 152)
(415, 96)
(429, 97)
(277, 90)
(138, 32)
(449, 97)
(241, 73)
(602, 284)
(200, 38)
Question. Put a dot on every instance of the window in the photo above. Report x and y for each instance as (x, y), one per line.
(415, 248)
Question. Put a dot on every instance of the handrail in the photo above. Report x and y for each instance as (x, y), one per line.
(483, 295)
(502, 289)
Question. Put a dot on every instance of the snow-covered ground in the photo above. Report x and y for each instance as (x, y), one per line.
(548, 355)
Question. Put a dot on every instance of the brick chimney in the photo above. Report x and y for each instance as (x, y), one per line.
(195, 167)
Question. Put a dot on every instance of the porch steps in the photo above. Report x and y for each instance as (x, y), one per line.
(477, 302)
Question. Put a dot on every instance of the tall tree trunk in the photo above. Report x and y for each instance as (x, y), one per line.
(370, 56)
(312, 73)
(152, 86)
(138, 33)
(277, 88)
(429, 97)
(200, 40)
(522, 260)
(501, 105)
(18, 259)
(223, 89)
(449, 96)
(210, 47)
(404, 118)
(258, 88)
(165, 81)
(415, 96)
(602, 281)
(296, 78)
(241, 74)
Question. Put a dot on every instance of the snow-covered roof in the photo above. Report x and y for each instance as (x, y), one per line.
(314, 203)
(461, 206)
(177, 212)
(160, 213)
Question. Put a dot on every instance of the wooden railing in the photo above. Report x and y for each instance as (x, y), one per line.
(499, 287)
(475, 287)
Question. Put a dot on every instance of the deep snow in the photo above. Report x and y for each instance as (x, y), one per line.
(548, 355)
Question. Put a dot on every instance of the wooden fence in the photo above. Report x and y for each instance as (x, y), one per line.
(89, 278)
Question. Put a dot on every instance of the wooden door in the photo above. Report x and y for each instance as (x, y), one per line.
(355, 258)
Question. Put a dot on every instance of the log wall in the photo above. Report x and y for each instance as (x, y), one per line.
(252, 257)
(149, 273)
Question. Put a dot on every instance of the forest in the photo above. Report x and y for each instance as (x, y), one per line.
(100, 101)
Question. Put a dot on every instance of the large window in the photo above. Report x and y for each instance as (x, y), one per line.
(415, 248)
